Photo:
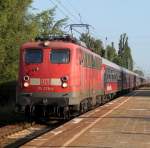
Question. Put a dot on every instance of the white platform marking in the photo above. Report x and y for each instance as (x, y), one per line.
(77, 120)
(97, 110)
(107, 105)
(39, 138)
(139, 109)
(101, 131)
(56, 132)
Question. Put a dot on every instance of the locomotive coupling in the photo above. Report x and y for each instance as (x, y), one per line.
(45, 101)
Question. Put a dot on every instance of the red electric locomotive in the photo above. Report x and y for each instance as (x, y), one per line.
(56, 75)
(59, 75)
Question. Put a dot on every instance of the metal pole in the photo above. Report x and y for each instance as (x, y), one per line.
(106, 47)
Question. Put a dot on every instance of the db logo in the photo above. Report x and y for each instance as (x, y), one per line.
(45, 81)
(109, 88)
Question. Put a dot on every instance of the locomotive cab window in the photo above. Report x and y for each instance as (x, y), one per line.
(33, 56)
(60, 56)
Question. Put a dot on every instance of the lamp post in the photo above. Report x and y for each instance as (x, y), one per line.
(106, 47)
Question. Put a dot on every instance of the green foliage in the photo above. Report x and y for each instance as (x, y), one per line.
(123, 58)
(118, 60)
(47, 24)
(111, 52)
(124, 53)
(95, 44)
(17, 26)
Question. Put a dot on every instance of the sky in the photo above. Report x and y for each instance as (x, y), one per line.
(110, 18)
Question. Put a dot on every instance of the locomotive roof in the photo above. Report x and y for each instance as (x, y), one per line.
(63, 40)
(52, 44)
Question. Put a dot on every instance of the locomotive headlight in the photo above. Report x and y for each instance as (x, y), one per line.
(46, 43)
(26, 84)
(64, 84)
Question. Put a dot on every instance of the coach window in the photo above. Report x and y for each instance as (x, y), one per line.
(86, 59)
(93, 62)
(81, 57)
(60, 56)
(90, 62)
(115, 76)
(109, 76)
(33, 56)
(97, 63)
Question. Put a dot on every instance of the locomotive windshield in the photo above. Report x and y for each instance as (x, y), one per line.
(33, 56)
(60, 56)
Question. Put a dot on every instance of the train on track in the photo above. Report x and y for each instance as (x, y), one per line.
(58, 75)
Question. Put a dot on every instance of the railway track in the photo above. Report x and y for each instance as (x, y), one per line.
(13, 136)
(10, 129)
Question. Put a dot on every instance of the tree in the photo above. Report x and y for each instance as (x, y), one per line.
(125, 52)
(118, 60)
(15, 28)
(95, 44)
(111, 52)
(47, 23)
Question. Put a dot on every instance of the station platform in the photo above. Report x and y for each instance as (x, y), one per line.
(121, 123)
